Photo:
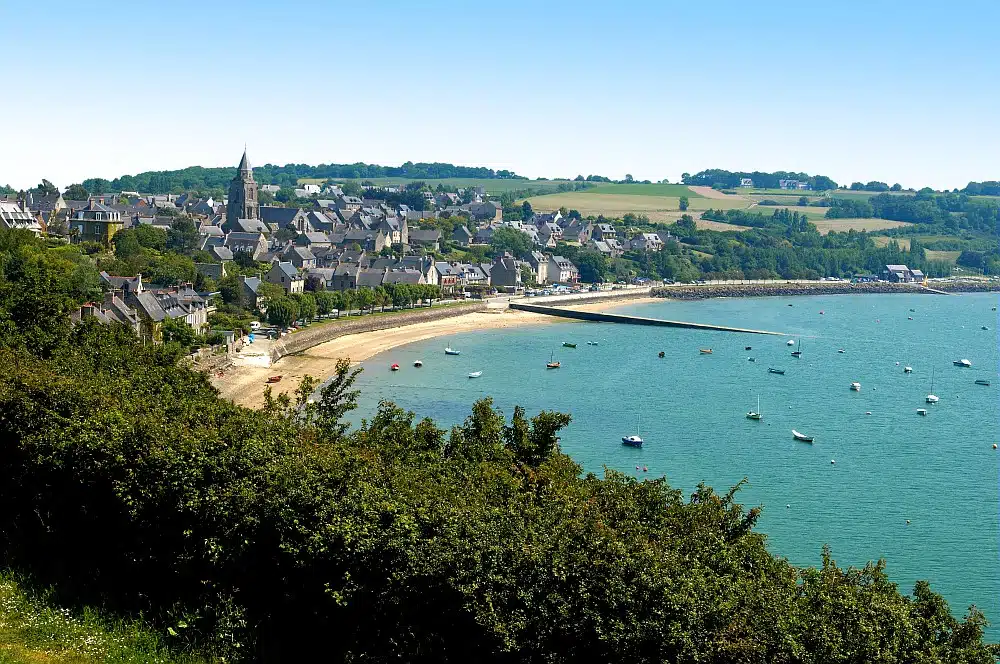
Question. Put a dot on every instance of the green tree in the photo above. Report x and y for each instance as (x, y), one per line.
(307, 306)
(382, 298)
(683, 203)
(150, 237)
(326, 302)
(183, 236)
(351, 188)
(76, 192)
(282, 312)
(592, 264)
(526, 211)
(46, 188)
(512, 241)
(365, 299)
(126, 244)
(176, 330)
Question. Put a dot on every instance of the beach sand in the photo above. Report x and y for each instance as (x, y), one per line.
(245, 385)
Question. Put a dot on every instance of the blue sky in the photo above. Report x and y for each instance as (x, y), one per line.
(893, 91)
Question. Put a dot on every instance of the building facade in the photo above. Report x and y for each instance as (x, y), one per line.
(243, 201)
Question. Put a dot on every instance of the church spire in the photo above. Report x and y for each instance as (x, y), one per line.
(245, 164)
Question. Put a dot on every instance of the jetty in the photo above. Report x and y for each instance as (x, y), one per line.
(593, 316)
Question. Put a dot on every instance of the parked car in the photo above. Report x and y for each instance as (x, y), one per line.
(255, 325)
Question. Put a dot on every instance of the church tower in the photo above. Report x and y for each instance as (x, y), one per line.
(243, 203)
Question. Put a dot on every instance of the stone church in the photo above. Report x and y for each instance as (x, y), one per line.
(243, 202)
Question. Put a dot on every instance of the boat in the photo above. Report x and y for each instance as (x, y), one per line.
(962, 363)
(801, 436)
(776, 371)
(751, 359)
(856, 386)
(660, 354)
(913, 310)
(569, 345)
(475, 374)
(756, 414)
(394, 367)
(907, 369)
(705, 351)
(921, 411)
(418, 364)
(981, 381)
(552, 364)
(591, 343)
(798, 351)
(791, 342)
(985, 328)
(451, 351)
(931, 397)
(748, 348)
(841, 351)
(636, 440)
(274, 379)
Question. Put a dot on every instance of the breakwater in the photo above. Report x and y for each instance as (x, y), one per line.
(704, 291)
(596, 317)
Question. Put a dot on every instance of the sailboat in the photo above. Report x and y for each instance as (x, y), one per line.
(756, 414)
(932, 398)
(798, 351)
(801, 436)
(552, 364)
(474, 374)
(451, 351)
(636, 440)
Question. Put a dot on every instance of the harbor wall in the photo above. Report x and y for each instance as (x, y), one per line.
(597, 317)
(704, 291)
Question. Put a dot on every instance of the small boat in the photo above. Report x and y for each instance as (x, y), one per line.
(751, 359)
(274, 379)
(748, 348)
(633, 441)
(660, 354)
(776, 371)
(552, 364)
(856, 387)
(985, 328)
(981, 381)
(913, 310)
(931, 397)
(394, 367)
(821, 312)
(756, 414)
(801, 436)
(569, 345)
(791, 342)
(451, 351)
(909, 318)
(922, 411)
(798, 351)
(475, 374)
(962, 363)
(841, 351)
(418, 364)
(591, 343)
(705, 351)
(907, 369)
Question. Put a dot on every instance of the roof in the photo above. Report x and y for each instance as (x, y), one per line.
(288, 269)
(370, 278)
(251, 226)
(897, 268)
(278, 215)
(419, 235)
(404, 276)
(253, 283)
(301, 252)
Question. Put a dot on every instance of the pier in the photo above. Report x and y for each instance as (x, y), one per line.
(596, 317)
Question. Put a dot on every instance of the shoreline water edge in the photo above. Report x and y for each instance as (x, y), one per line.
(244, 385)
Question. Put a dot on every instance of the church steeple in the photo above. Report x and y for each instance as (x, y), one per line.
(243, 203)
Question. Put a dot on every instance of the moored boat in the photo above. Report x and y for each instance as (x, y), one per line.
(907, 369)
(705, 351)
(841, 351)
(451, 351)
(856, 386)
(922, 411)
(660, 354)
(982, 381)
(776, 371)
(801, 436)
(756, 414)
(931, 397)
(791, 342)
(569, 345)
(394, 367)
(962, 363)
(418, 364)
(633, 441)
(475, 374)
(552, 364)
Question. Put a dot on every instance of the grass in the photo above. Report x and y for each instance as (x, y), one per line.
(35, 631)
(671, 190)
(883, 241)
(492, 186)
(659, 208)
(824, 226)
(943, 256)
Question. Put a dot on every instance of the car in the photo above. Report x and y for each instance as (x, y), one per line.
(255, 325)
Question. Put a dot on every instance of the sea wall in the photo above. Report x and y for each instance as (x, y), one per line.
(313, 336)
(598, 317)
(700, 292)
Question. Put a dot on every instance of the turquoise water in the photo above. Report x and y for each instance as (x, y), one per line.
(939, 472)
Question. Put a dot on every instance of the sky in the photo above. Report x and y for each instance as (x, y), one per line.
(904, 92)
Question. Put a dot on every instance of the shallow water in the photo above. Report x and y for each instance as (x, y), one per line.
(939, 472)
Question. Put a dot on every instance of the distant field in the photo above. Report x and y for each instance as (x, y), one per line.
(945, 256)
(826, 225)
(494, 186)
(663, 209)
(672, 190)
(813, 213)
(883, 241)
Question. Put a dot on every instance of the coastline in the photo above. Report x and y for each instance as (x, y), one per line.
(774, 289)
(244, 385)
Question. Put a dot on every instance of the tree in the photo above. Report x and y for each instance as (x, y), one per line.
(382, 298)
(183, 236)
(265, 197)
(76, 192)
(366, 298)
(526, 211)
(528, 275)
(326, 302)
(512, 241)
(231, 289)
(592, 264)
(351, 188)
(285, 195)
(803, 201)
(46, 188)
(347, 301)
(176, 330)
(307, 306)
(896, 187)
(683, 203)
(150, 237)
(282, 312)
(126, 244)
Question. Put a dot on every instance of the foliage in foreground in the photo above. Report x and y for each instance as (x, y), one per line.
(276, 534)
(33, 630)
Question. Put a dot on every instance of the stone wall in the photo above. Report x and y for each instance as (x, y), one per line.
(309, 337)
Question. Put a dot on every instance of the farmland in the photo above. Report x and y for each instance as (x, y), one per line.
(491, 185)
(661, 203)
(824, 226)
(943, 256)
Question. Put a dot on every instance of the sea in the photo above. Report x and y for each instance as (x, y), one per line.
(879, 481)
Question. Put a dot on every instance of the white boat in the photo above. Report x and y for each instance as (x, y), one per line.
(801, 436)
(921, 411)
(451, 351)
(962, 363)
(907, 369)
(475, 374)
(791, 342)
(636, 440)
(418, 364)
(841, 351)
(798, 351)
(756, 414)
(932, 398)
(856, 386)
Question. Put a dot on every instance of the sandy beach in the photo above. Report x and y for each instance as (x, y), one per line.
(245, 385)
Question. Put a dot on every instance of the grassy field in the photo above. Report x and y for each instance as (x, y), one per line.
(883, 241)
(945, 256)
(824, 226)
(492, 186)
(670, 190)
(659, 208)
(34, 631)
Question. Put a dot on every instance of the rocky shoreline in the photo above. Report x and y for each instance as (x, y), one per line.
(705, 291)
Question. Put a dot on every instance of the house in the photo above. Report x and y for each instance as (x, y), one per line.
(449, 275)
(792, 184)
(320, 278)
(746, 183)
(395, 229)
(314, 240)
(505, 273)
(285, 275)
(645, 242)
(214, 271)
(578, 230)
(281, 217)
(403, 276)
(489, 212)
(95, 223)
(250, 288)
(462, 236)
(270, 188)
(549, 232)
(604, 232)
(14, 216)
(345, 277)
(426, 239)
(561, 270)
(300, 257)
(424, 265)
(610, 248)
(311, 189)
(918, 275)
(539, 264)
(246, 226)
(320, 221)
(901, 274)
(348, 204)
(221, 253)
(484, 234)
(252, 244)
(111, 310)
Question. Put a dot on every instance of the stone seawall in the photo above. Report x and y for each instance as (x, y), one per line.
(305, 339)
(701, 292)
